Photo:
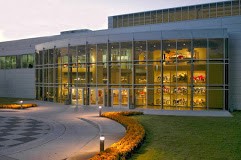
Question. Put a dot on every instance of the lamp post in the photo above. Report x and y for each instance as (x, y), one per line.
(100, 108)
(21, 104)
(102, 143)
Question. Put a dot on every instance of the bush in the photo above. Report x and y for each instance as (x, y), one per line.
(17, 106)
(133, 138)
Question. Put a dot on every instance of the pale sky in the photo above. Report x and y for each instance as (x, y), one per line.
(20, 19)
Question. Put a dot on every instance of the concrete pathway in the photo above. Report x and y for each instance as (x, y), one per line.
(70, 132)
(55, 131)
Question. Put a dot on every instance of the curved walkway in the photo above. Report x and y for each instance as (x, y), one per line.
(54, 131)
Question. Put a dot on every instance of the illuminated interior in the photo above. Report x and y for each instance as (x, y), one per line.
(185, 74)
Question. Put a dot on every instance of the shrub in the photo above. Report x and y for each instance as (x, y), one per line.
(133, 138)
(17, 106)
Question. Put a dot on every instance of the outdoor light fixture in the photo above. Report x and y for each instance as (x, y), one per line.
(21, 103)
(100, 108)
(102, 143)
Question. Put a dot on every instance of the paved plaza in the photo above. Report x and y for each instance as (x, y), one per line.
(55, 131)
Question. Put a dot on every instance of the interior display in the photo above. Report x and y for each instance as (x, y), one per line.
(166, 89)
(158, 101)
(199, 90)
(158, 90)
(142, 80)
(199, 79)
(182, 77)
(124, 80)
(165, 78)
(172, 56)
(180, 90)
(199, 102)
(166, 101)
(180, 101)
(159, 78)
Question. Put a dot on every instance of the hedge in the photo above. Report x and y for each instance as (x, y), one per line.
(17, 106)
(133, 138)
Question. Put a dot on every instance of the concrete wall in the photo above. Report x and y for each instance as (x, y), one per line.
(2, 82)
(235, 71)
(17, 83)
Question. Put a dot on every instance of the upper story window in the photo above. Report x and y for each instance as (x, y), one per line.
(17, 61)
(201, 11)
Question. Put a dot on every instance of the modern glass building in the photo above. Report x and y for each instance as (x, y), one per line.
(161, 69)
(184, 58)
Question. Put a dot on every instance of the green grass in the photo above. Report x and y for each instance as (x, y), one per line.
(6, 100)
(190, 138)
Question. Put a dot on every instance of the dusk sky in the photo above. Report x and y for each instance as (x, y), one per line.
(22, 19)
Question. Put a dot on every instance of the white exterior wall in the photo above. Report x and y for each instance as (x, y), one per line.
(2, 83)
(235, 71)
(17, 83)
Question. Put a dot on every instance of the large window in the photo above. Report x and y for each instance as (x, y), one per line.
(176, 74)
(27, 60)
(10, 62)
(2, 62)
(204, 11)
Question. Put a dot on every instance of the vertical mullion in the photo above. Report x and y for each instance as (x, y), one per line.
(207, 75)
(192, 75)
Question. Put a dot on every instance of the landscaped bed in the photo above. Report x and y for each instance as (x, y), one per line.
(133, 138)
(14, 103)
(17, 106)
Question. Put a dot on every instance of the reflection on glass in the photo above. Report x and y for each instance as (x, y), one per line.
(126, 51)
(216, 48)
(115, 52)
(220, 9)
(102, 53)
(165, 16)
(217, 94)
(213, 12)
(81, 54)
(140, 52)
(185, 13)
(92, 49)
(216, 74)
(227, 8)
(200, 49)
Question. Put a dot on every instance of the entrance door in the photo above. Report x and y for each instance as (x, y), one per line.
(120, 97)
(77, 96)
(96, 97)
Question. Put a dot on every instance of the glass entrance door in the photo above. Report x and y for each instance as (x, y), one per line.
(115, 97)
(77, 96)
(120, 97)
(125, 97)
(96, 97)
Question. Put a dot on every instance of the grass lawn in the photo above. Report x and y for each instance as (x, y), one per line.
(6, 100)
(206, 138)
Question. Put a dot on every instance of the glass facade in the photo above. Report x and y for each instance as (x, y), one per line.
(178, 74)
(17, 61)
(212, 10)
